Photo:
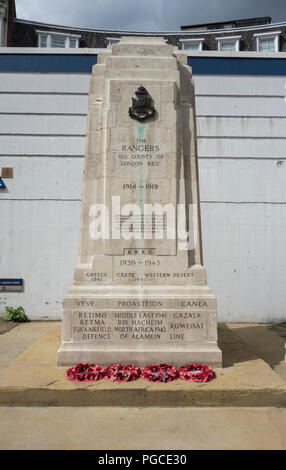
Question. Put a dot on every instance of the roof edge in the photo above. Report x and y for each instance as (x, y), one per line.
(267, 18)
(144, 33)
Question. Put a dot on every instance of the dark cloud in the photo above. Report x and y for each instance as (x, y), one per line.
(147, 15)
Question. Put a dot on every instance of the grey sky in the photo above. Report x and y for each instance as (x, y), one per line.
(146, 15)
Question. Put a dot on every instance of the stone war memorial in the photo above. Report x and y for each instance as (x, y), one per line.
(140, 291)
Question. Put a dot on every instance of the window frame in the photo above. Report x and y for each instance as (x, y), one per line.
(275, 35)
(185, 41)
(234, 39)
(50, 34)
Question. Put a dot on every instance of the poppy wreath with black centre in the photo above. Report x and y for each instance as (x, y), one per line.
(122, 373)
(85, 373)
(197, 373)
(160, 373)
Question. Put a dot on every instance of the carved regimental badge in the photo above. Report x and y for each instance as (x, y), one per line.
(142, 107)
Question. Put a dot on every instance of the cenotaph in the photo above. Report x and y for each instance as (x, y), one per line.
(140, 292)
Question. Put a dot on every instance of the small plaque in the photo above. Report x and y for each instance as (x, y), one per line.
(14, 285)
(7, 172)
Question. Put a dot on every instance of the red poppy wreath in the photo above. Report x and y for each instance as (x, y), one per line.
(85, 373)
(197, 373)
(161, 373)
(122, 373)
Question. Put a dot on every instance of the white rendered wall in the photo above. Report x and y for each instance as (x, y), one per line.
(242, 162)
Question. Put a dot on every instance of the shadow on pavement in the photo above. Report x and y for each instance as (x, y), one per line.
(240, 344)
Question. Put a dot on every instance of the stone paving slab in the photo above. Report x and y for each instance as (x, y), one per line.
(7, 325)
(117, 428)
(265, 342)
(31, 378)
(23, 335)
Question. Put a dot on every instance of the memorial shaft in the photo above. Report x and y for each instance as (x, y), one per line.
(140, 293)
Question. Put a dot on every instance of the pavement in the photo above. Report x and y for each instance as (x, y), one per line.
(120, 428)
(243, 408)
(253, 373)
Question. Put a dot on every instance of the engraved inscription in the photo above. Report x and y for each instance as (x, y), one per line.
(179, 304)
(138, 325)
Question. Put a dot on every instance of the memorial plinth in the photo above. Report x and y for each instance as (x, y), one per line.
(140, 293)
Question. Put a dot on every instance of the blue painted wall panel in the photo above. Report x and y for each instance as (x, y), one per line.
(81, 63)
(237, 66)
(47, 63)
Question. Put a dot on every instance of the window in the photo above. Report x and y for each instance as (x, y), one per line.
(195, 44)
(73, 42)
(228, 46)
(228, 43)
(55, 39)
(58, 41)
(43, 41)
(267, 42)
(192, 46)
(266, 45)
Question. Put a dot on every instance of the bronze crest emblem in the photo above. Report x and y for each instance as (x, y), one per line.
(142, 107)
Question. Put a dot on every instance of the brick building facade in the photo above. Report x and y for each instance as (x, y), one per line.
(257, 34)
